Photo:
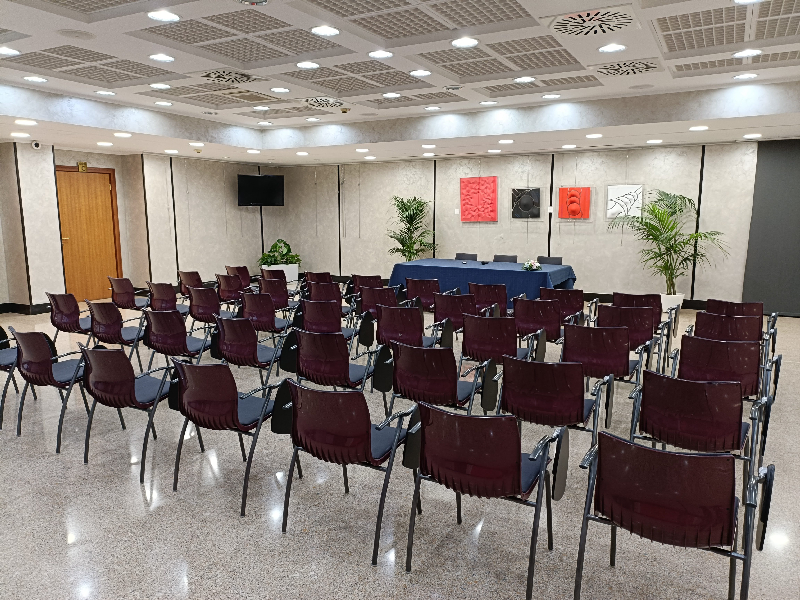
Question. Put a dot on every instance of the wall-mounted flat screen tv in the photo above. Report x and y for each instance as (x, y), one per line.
(260, 190)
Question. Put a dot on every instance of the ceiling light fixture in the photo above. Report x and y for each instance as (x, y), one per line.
(747, 53)
(420, 73)
(302, 154)
(261, 108)
(313, 119)
(197, 144)
(104, 144)
(654, 141)
(699, 128)
(122, 135)
(594, 136)
(171, 151)
(307, 64)
(19, 134)
(35, 79)
(280, 90)
(752, 136)
(369, 158)
(551, 96)
(362, 149)
(525, 80)
(392, 95)
(569, 146)
(745, 76)
(608, 48)
(433, 108)
(265, 122)
(160, 86)
(162, 103)
(495, 151)
(254, 151)
(6, 51)
(488, 103)
(325, 31)
(380, 54)
(105, 93)
(164, 16)
(465, 42)
(26, 122)
(429, 146)
(428, 154)
(747, 1)
(505, 142)
(160, 57)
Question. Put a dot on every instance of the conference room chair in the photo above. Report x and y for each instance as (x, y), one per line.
(65, 315)
(165, 334)
(323, 277)
(466, 256)
(570, 303)
(655, 495)
(490, 339)
(260, 309)
(701, 359)
(372, 297)
(163, 297)
(487, 296)
(324, 359)
(243, 273)
(550, 260)
(323, 316)
(482, 456)
(8, 364)
(123, 295)
(40, 365)
(277, 289)
(531, 316)
(204, 307)
(209, 399)
(424, 289)
(360, 281)
(108, 327)
(735, 309)
(321, 292)
(189, 279)
(640, 300)
(238, 345)
(638, 321)
(336, 427)
(505, 258)
(109, 379)
(404, 325)
(453, 307)
(229, 290)
(726, 329)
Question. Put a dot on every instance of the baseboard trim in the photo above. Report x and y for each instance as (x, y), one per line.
(24, 309)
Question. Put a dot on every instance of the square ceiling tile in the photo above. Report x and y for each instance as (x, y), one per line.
(471, 13)
(299, 41)
(441, 57)
(79, 54)
(354, 8)
(549, 59)
(97, 73)
(243, 50)
(189, 32)
(477, 68)
(247, 21)
(365, 66)
(40, 60)
(534, 44)
(401, 24)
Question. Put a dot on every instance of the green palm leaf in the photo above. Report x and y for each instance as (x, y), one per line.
(412, 237)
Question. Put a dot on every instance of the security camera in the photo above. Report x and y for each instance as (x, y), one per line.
(345, 110)
(198, 151)
(36, 145)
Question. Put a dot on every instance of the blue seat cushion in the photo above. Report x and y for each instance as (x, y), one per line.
(267, 354)
(348, 332)
(428, 342)
(281, 324)
(293, 304)
(588, 405)
(147, 388)
(194, 345)
(64, 370)
(359, 372)
(85, 323)
(530, 470)
(249, 409)
(632, 366)
(129, 334)
(381, 441)
(8, 357)
(522, 353)
(465, 390)
(141, 302)
(183, 309)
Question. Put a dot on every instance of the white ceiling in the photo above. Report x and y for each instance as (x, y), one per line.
(82, 46)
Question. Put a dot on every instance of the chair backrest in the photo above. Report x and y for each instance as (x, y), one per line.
(65, 314)
(371, 297)
(543, 393)
(323, 316)
(277, 290)
(318, 277)
(229, 288)
(400, 324)
(489, 337)
(108, 377)
(696, 415)
(570, 301)
(238, 342)
(601, 350)
(323, 358)
(268, 273)
(165, 332)
(425, 374)
(370, 281)
(106, 322)
(424, 289)
(735, 309)
(260, 310)
(34, 357)
(208, 395)
(532, 315)
(189, 279)
(319, 292)
(331, 426)
(162, 296)
(488, 294)
(550, 260)
(203, 304)
(638, 320)
(638, 300)
(474, 455)
(466, 256)
(243, 273)
(728, 329)
(122, 292)
(508, 258)
(449, 306)
(655, 494)
(712, 360)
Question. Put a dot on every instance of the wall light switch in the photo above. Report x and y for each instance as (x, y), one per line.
(550, 209)
(456, 211)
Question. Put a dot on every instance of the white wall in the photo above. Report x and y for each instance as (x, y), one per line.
(13, 274)
(160, 218)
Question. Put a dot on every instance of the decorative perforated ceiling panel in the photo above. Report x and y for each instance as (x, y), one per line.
(627, 67)
(703, 29)
(90, 6)
(470, 13)
(593, 22)
(247, 21)
(356, 78)
(401, 23)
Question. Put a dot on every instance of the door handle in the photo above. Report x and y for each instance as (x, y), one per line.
(64, 238)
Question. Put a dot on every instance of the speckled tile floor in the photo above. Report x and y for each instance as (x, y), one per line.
(69, 530)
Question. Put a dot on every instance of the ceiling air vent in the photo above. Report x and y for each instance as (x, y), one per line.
(324, 102)
(593, 22)
(224, 76)
(628, 67)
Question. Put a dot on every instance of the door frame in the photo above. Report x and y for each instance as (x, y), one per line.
(114, 211)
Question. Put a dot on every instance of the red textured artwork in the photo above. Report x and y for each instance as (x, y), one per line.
(574, 202)
(479, 199)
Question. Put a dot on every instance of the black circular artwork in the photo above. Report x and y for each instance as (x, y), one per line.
(525, 203)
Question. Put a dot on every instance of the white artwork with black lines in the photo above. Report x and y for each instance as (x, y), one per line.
(624, 200)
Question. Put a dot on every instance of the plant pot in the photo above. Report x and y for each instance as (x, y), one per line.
(292, 271)
(670, 300)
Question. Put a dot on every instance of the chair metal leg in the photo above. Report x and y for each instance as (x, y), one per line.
(419, 501)
(458, 508)
(150, 427)
(535, 536)
(346, 484)
(83, 395)
(584, 530)
(14, 381)
(385, 406)
(747, 550)
(121, 419)
(299, 468)
(88, 434)
(382, 503)
(202, 348)
(241, 447)
(732, 572)
(33, 391)
(412, 522)
(150, 362)
(612, 556)
(289, 489)
(178, 455)
(548, 499)
(200, 438)
(55, 337)
(250, 459)
(3, 397)
(19, 411)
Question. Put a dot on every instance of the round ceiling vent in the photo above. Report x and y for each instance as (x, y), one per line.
(593, 22)
(224, 76)
(628, 67)
(324, 102)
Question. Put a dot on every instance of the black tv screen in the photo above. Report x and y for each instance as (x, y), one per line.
(260, 190)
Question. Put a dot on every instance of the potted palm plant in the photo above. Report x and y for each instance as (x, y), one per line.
(670, 251)
(280, 256)
(412, 236)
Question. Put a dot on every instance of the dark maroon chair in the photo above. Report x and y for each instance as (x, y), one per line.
(638, 320)
(727, 329)
(65, 315)
(243, 273)
(601, 350)
(108, 327)
(487, 295)
(8, 364)
(361, 281)
(238, 345)
(277, 289)
(163, 297)
(109, 379)
(404, 325)
(319, 277)
(482, 456)
(735, 309)
(490, 338)
(570, 301)
(229, 289)
(453, 307)
(260, 309)
(209, 399)
(640, 301)
(335, 427)
(372, 297)
(711, 360)
(424, 289)
(204, 306)
(189, 279)
(324, 317)
(679, 499)
(39, 365)
(324, 359)
(532, 316)
(322, 292)
(124, 296)
(165, 333)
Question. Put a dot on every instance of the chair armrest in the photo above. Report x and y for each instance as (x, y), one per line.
(395, 416)
(590, 457)
(673, 357)
(530, 336)
(537, 451)
(689, 330)
(55, 358)
(498, 377)
(367, 352)
(151, 371)
(271, 386)
(453, 292)
(475, 368)
(133, 319)
(415, 428)
(559, 341)
(436, 325)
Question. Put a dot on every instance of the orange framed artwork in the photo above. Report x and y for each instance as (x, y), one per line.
(574, 202)
(478, 199)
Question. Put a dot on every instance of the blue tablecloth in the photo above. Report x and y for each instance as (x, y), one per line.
(456, 274)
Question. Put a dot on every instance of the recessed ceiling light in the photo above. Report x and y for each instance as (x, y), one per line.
(104, 144)
(160, 86)
(392, 95)
(197, 144)
(369, 158)
(429, 146)
(265, 122)
(745, 76)
(302, 154)
(525, 80)
(380, 54)
(254, 151)
(162, 103)
(495, 151)
(594, 136)
(747, 53)
(433, 108)
(313, 119)
(122, 135)
(551, 96)
(428, 154)
(19, 134)
(307, 64)
(261, 108)
(747, 1)
(362, 149)
(488, 103)
(569, 146)
(420, 73)
(699, 128)
(612, 48)
(752, 136)
(6, 51)
(505, 142)
(160, 57)
(280, 90)
(105, 93)
(325, 31)
(171, 151)
(164, 16)
(465, 42)
(35, 79)
(26, 122)
(654, 141)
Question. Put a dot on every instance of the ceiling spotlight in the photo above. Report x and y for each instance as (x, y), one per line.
(6, 51)
(525, 80)
(569, 146)
(420, 73)
(171, 151)
(313, 119)
(362, 149)
(254, 151)
(747, 1)
(745, 76)
(699, 128)
(428, 154)
(369, 158)
(160, 86)
(122, 135)
(19, 134)
(612, 48)
(105, 93)
(35, 79)
(302, 154)
(488, 103)
(161, 57)
(752, 136)
(307, 64)
(26, 122)
(748, 53)
(325, 31)
(104, 144)
(392, 95)
(429, 146)
(505, 142)
(495, 151)
(465, 42)
(433, 108)
(280, 90)
(551, 96)
(261, 108)
(164, 16)
(197, 144)
(380, 54)
(264, 123)
(163, 103)
(654, 141)
(594, 136)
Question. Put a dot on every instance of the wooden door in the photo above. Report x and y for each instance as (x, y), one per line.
(87, 206)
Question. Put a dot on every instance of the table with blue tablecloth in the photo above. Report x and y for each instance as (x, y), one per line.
(459, 274)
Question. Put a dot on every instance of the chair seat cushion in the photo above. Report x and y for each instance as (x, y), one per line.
(64, 370)
(588, 405)
(85, 323)
(141, 302)
(632, 366)
(8, 357)
(249, 409)
(129, 334)
(183, 309)
(465, 390)
(428, 342)
(522, 353)
(530, 470)
(348, 332)
(266, 354)
(346, 310)
(147, 388)
(293, 304)
(359, 372)
(382, 441)
(195, 345)
(281, 324)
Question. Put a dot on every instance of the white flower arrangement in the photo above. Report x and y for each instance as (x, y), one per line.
(532, 265)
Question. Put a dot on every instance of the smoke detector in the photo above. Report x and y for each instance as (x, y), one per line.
(225, 76)
(323, 102)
